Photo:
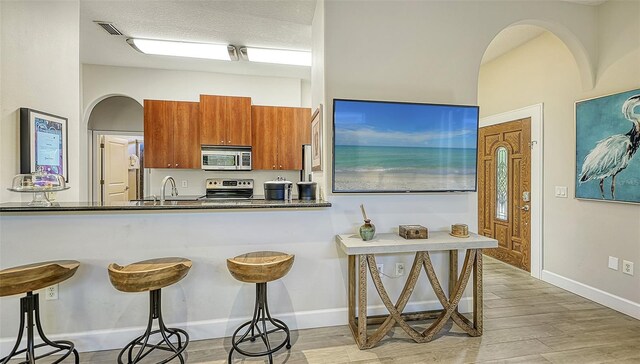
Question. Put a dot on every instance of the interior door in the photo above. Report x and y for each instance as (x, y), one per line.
(504, 185)
(116, 169)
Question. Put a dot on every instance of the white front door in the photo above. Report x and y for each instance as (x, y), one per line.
(116, 169)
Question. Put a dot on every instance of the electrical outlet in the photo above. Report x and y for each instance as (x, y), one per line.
(399, 269)
(613, 263)
(184, 183)
(380, 268)
(627, 267)
(51, 292)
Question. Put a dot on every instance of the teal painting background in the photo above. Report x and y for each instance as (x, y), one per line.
(597, 119)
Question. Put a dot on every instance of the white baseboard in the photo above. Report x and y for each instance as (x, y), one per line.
(604, 298)
(96, 340)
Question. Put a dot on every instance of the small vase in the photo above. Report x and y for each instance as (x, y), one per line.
(368, 230)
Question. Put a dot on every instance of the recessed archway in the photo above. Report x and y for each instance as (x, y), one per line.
(115, 118)
(529, 35)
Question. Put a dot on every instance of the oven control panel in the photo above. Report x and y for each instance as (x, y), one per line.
(228, 183)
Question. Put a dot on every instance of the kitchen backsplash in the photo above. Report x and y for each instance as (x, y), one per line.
(195, 179)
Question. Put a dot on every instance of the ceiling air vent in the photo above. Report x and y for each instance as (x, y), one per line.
(108, 27)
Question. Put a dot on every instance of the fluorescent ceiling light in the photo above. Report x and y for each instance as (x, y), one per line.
(281, 56)
(184, 49)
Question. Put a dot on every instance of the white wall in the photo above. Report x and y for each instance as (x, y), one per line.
(40, 60)
(318, 92)
(141, 83)
(578, 235)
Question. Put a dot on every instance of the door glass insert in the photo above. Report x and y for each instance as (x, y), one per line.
(502, 186)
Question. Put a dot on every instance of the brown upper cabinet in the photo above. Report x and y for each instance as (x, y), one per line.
(277, 136)
(171, 134)
(225, 120)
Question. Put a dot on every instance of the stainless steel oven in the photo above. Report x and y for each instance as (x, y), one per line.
(228, 189)
(215, 158)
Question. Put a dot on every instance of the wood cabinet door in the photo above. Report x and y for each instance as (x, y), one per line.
(303, 124)
(158, 133)
(186, 136)
(264, 136)
(287, 139)
(238, 116)
(213, 121)
(294, 130)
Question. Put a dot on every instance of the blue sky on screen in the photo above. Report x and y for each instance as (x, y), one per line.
(404, 125)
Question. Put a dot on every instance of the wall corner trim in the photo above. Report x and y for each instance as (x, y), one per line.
(607, 299)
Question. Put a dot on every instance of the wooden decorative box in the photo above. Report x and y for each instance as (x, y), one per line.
(414, 232)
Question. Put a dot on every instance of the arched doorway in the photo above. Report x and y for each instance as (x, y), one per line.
(517, 81)
(115, 127)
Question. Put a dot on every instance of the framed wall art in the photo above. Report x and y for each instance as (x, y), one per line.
(43, 143)
(316, 140)
(607, 141)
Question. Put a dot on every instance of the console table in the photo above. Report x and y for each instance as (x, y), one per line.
(365, 251)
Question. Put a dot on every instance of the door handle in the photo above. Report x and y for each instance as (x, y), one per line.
(525, 208)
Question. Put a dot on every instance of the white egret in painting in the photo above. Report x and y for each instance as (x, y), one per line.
(612, 154)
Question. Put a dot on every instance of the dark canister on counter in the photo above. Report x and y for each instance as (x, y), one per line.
(307, 190)
(278, 189)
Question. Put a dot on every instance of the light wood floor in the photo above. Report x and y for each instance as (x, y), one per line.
(526, 321)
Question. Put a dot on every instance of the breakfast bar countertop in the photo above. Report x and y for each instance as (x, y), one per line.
(150, 205)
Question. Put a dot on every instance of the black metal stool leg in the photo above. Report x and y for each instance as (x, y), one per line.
(30, 307)
(164, 343)
(257, 326)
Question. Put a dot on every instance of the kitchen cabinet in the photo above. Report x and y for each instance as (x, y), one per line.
(277, 136)
(171, 134)
(225, 120)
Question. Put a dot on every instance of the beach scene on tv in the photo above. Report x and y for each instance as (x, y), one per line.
(401, 147)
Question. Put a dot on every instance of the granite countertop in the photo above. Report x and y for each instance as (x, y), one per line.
(174, 204)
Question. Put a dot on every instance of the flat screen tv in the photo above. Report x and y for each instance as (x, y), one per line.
(382, 146)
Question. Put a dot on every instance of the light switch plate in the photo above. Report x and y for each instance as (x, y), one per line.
(561, 191)
(613, 263)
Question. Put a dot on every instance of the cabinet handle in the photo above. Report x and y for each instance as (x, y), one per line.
(222, 142)
(229, 142)
(274, 166)
(280, 166)
(169, 165)
(176, 164)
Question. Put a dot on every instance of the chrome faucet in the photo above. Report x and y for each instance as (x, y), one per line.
(174, 190)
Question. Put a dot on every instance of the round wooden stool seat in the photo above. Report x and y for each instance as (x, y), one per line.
(148, 275)
(32, 277)
(260, 267)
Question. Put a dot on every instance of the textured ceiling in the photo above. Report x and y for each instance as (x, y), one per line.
(263, 23)
(273, 24)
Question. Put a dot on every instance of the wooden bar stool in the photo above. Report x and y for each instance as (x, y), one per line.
(152, 275)
(260, 268)
(26, 279)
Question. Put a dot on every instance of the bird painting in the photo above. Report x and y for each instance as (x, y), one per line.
(612, 155)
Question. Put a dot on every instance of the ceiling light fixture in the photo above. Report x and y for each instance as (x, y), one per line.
(281, 56)
(184, 49)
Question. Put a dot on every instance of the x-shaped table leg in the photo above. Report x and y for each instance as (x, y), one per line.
(449, 305)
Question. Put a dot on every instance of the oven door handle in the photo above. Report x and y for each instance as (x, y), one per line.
(238, 161)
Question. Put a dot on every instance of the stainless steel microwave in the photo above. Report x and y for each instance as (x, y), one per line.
(215, 158)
